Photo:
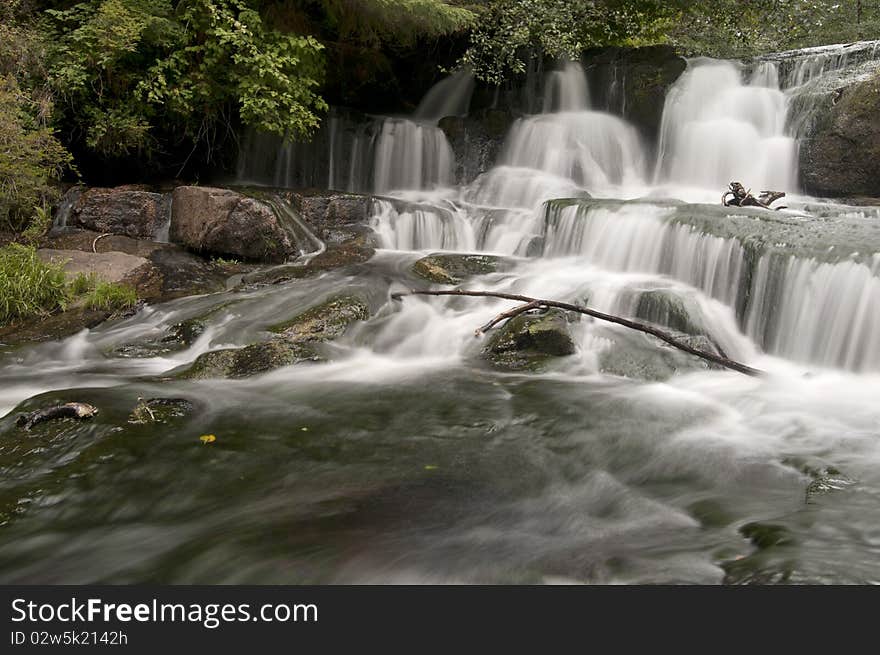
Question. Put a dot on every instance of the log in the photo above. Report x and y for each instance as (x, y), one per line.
(67, 410)
(530, 303)
(740, 197)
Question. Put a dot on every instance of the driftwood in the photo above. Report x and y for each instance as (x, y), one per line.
(67, 410)
(739, 197)
(536, 303)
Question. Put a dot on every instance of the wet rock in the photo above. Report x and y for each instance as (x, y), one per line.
(841, 154)
(824, 478)
(772, 562)
(455, 269)
(129, 210)
(295, 342)
(639, 356)
(224, 222)
(666, 309)
(53, 327)
(633, 82)
(325, 212)
(325, 322)
(356, 250)
(710, 513)
(250, 360)
(530, 342)
(476, 140)
(767, 535)
(160, 410)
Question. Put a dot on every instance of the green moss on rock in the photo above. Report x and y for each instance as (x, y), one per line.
(324, 322)
(455, 269)
(530, 342)
(250, 360)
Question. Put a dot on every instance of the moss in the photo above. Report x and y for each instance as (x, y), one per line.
(324, 322)
(454, 269)
(160, 410)
(529, 342)
(250, 360)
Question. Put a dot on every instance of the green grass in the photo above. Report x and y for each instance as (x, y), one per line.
(110, 297)
(28, 286)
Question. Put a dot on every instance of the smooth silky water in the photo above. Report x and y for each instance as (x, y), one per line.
(405, 458)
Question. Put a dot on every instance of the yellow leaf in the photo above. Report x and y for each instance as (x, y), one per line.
(431, 467)
(207, 438)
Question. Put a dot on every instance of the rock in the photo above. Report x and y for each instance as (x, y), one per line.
(250, 360)
(129, 211)
(353, 251)
(665, 308)
(67, 410)
(529, 341)
(173, 272)
(476, 140)
(325, 212)
(160, 410)
(106, 266)
(455, 269)
(224, 222)
(325, 322)
(633, 82)
(642, 357)
(295, 342)
(840, 155)
(52, 328)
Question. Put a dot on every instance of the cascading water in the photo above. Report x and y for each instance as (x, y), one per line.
(717, 129)
(402, 456)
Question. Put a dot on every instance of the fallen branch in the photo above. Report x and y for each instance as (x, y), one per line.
(98, 238)
(67, 410)
(535, 303)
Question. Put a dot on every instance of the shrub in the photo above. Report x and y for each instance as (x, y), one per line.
(29, 286)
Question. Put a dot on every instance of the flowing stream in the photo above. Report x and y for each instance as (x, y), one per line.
(406, 458)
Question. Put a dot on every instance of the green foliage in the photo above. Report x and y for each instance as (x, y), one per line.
(98, 294)
(29, 286)
(110, 297)
(31, 158)
(396, 22)
(128, 70)
(510, 31)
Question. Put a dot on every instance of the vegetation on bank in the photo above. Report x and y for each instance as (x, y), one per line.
(165, 85)
(31, 287)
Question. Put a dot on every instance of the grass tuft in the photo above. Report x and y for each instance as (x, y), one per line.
(28, 286)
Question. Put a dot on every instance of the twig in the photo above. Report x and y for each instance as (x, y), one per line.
(98, 238)
(534, 303)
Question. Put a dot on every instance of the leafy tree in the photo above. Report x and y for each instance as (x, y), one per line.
(130, 71)
(31, 158)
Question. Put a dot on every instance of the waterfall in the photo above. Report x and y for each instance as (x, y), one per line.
(449, 97)
(716, 129)
(566, 89)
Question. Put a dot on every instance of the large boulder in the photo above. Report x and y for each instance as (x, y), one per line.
(841, 154)
(476, 141)
(224, 222)
(129, 211)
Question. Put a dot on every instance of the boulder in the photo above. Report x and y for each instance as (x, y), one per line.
(129, 211)
(840, 156)
(642, 357)
(455, 269)
(106, 266)
(530, 341)
(224, 222)
(327, 212)
(295, 342)
(324, 322)
(250, 360)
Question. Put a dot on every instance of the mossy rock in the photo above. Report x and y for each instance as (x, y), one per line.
(160, 410)
(641, 357)
(455, 269)
(530, 341)
(250, 360)
(356, 250)
(324, 322)
(767, 535)
(664, 308)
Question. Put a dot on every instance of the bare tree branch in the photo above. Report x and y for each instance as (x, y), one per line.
(535, 303)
